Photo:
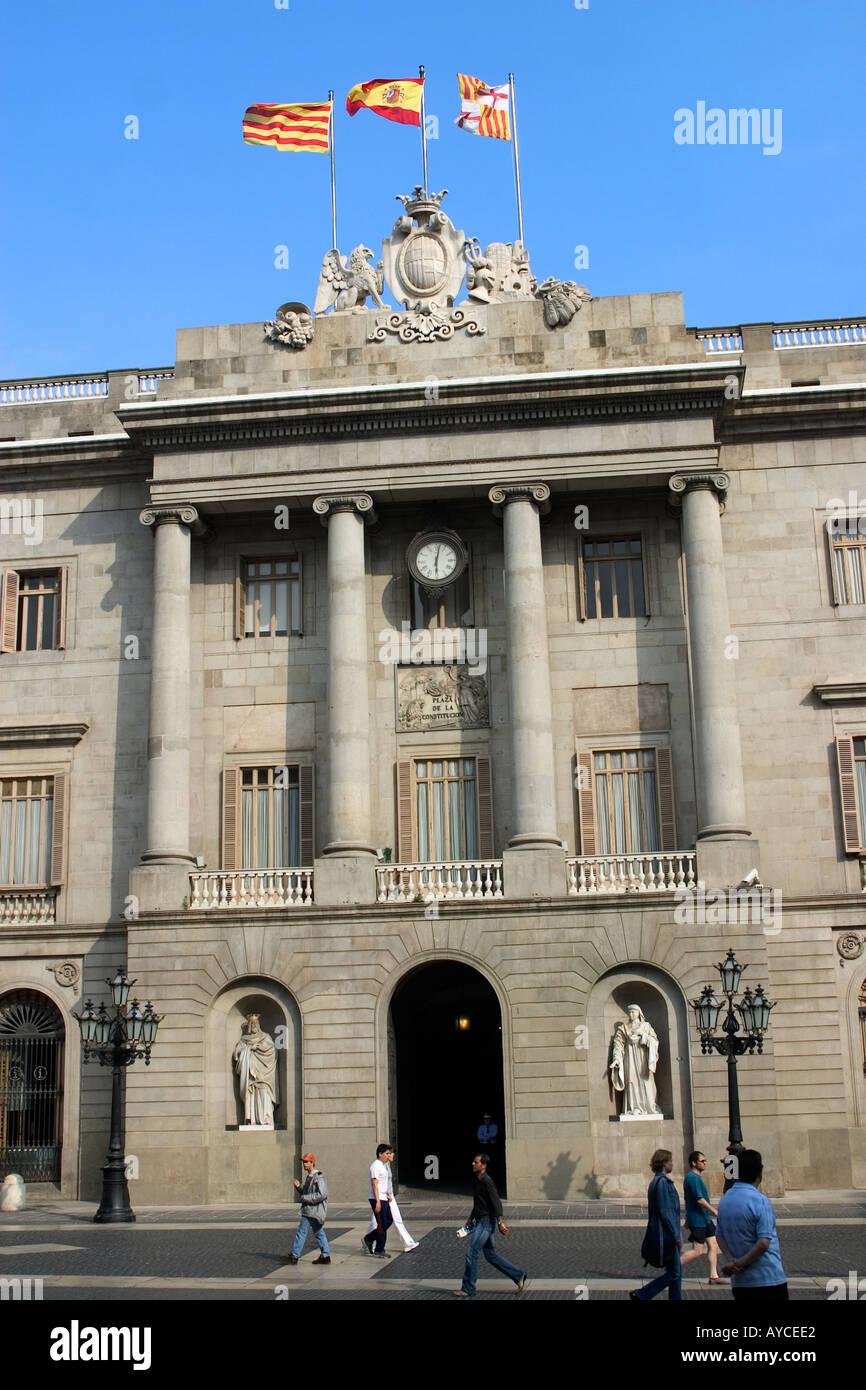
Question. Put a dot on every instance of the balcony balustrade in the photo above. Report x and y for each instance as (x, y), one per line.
(251, 888)
(624, 873)
(447, 881)
(28, 906)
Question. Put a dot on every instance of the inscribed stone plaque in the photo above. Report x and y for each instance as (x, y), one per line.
(621, 709)
(441, 697)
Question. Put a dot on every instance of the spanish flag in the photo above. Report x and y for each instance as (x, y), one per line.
(301, 126)
(397, 99)
(484, 110)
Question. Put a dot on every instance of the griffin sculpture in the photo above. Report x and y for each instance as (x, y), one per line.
(347, 286)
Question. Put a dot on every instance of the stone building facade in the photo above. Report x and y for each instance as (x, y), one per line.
(232, 760)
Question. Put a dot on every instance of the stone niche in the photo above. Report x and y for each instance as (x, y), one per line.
(622, 1148)
(252, 1165)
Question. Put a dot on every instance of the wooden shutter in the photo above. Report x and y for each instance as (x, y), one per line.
(406, 851)
(848, 790)
(483, 782)
(834, 580)
(586, 804)
(58, 822)
(306, 783)
(62, 586)
(665, 781)
(231, 818)
(240, 605)
(9, 606)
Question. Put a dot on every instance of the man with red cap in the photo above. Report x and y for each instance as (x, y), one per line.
(314, 1210)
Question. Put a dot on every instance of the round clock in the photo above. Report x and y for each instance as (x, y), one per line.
(436, 558)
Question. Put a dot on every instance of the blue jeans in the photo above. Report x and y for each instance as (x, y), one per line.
(670, 1280)
(480, 1240)
(305, 1225)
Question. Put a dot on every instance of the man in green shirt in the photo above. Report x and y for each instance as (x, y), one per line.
(699, 1212)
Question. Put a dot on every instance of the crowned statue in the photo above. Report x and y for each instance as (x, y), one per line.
(634, 1058)
(255, 1062)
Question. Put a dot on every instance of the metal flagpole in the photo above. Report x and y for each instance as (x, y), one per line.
(333, 173)
(516, 157)
(423, 128)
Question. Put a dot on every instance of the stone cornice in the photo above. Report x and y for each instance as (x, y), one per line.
(537, 399)
(834, 692)
(779, 412)
(29, 735)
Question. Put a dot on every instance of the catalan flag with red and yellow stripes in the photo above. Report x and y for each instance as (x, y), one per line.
(484, 109)
(397, 99)
(302, 125)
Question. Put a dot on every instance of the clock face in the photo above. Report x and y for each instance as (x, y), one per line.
(436, 560)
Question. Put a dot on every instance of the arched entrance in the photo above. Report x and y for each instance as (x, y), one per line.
(31, 1086)
(445, 1049)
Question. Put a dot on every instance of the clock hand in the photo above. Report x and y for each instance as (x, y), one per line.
(438, 553)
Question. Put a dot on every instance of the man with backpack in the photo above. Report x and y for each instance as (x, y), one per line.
(662, 1243)
(314, 1210)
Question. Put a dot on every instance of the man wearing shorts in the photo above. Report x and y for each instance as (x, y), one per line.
(699, 1211)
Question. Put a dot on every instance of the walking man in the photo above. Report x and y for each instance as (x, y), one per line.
(380, 1201)
(662, 1244)
(485, 1219)
(699, 1212)
(747, 1235)
(314, 1210)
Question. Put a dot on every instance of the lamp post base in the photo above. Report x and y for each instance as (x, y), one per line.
(114, 1206)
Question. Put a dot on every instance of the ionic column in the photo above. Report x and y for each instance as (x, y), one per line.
(348, 825)
(528, 658)
(721, 801)
(168, 734)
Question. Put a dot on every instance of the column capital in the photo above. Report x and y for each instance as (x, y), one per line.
(681, 483)
(183, 515)
(359, 502)
(503, 493)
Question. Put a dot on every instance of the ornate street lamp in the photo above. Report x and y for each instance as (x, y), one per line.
(754, 1010)
(117, 1041)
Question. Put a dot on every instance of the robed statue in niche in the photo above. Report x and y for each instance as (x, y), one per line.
(634, 1057)
(255, 1061)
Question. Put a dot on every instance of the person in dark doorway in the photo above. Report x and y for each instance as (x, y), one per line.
(488, 1133)
(747, 1235)
(380, 1201)
(485, 1219)
(662, 1242)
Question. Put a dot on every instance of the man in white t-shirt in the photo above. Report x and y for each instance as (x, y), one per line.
(380, 1200)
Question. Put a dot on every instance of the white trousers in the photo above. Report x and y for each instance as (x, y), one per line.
(397, 1218)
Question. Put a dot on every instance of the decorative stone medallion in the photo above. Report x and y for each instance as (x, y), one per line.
(849, 946)
(68, 974)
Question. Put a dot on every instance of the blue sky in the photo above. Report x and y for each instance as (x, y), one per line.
(109, 245)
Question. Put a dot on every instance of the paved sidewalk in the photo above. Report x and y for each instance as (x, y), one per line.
(571, 1251)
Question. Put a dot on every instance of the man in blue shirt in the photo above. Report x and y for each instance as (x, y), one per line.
(747, 1235)
(699, 1213)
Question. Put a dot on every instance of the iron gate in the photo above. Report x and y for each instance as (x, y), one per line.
(31, 1086)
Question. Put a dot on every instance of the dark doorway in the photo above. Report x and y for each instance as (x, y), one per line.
(31, 1070)
(447, 1049)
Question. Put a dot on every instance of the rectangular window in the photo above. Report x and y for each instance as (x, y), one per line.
(270, 817)
(444, 810)
(848, 563)
(26, 831)
(851, 758)
(626, 801)
(613, 578)
(32, 604)
(271, 598)
(451, 608)
(447, 813)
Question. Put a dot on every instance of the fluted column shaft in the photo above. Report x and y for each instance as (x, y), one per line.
(348, 824)
(721, 802)
(169, 727)
(528, 658)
